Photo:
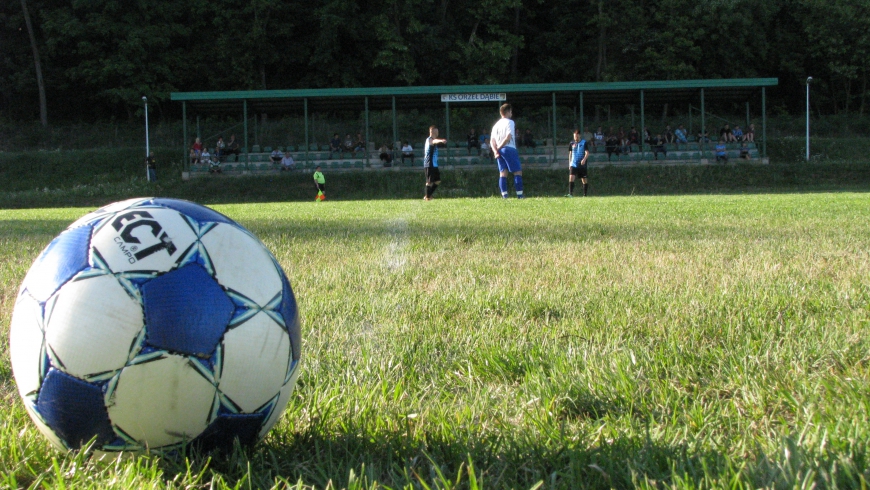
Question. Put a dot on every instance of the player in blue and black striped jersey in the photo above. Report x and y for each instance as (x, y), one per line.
(430, 162)
(577, 160)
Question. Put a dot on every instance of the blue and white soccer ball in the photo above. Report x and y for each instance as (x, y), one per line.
(154, 323)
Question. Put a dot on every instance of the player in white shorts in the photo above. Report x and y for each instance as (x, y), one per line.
(503, 140)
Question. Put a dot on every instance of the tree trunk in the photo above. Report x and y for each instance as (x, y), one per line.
(43, 109)
(602, 48)
(863, 93)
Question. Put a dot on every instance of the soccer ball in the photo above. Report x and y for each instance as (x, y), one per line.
(151, 324)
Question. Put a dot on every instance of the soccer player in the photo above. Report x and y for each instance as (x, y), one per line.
(430, 162)
(320, 182)
(503, 140)
(577, 167)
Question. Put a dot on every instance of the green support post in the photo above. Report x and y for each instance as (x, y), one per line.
(703, 120)
(307, 142)
(256, 130)
(690, 118)
(763, 122)
(447, 128)
(642, 122)
(395, 123)
(582, 122)
(367, 132)
(247, 146)
(554, 126)
(184, 130)
(747, 117)
(198, 131)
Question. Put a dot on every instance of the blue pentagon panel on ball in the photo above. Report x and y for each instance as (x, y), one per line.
(291, 315)
(74, 410)
(64, 257)
(227, 428)
(186, 311)
(195, 211)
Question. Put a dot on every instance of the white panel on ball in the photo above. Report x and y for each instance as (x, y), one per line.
(25, 344)
(143, 239)
(106, 211)
(251, 273)
(255, 359)
(162, 402)
(281, 404)
(92, 325)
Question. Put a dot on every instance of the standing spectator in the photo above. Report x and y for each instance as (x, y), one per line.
(721, 151)
(680, 135)
(320, 183)
(658, 146)
(335, 145)
(598, 138)
(504, 149)
(287, 162)
(233, 148)
(197, 149)
(219, 148)
(276, 156)
(386, 156)
(744, 151)
(407, 152)
(151, 166)
(472, 143)
(430, 162)
(528, 139)
(749, 135)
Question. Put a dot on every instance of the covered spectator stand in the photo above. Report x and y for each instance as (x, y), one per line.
(567, 96)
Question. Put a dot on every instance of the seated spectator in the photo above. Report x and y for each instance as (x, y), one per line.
(721, 151)
(407, 152)
(749, 135)
(598, 137)
(737, 133)
(669, 135)
(744, 151)
(624, 145)
(276, 156)
(287, 162)
(205, 157)
(232, 148)
(360, 145)
(347, 147)
(647, 137)
(214, 167)
(471, 141)
(219, 148)
(528, 139)
(197, 149)
(194, 159)
(680, 136)
(386, 156)
(611, 145)
(486, 150)
(335, 145)
(633, 137)
(725, 133)
(658, 146)
(703, 137)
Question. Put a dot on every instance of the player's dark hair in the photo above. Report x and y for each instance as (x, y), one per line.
(504, 108)
(576, 131)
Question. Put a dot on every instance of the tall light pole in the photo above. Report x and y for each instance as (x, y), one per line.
(147, 147)
(809, 79)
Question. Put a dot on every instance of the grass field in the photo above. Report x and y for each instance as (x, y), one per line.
(688, 342)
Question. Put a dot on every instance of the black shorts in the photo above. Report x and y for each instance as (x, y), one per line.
(432, 175)
(579, 171)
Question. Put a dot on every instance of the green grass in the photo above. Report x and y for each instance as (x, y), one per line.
(683, 341)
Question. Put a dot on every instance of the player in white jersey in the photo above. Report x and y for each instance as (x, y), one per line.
(503, 140)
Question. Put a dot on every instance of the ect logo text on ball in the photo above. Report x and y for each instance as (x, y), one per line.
(130, 245)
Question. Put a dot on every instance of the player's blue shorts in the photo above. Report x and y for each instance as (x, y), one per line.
(509, 159)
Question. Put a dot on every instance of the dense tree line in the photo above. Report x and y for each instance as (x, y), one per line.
(96, 58)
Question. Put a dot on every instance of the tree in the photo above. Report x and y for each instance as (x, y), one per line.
(43, 106)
